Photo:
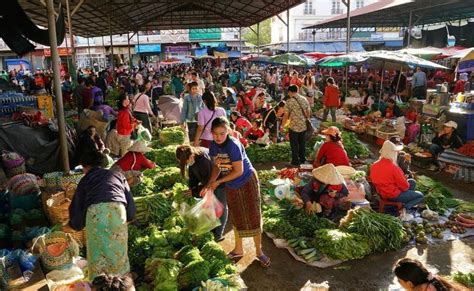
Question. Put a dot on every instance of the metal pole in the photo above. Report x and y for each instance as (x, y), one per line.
(89, 53)
(105, 53)
(69, 24)
(111, 46)
(240, 44)
(63, 148)
(258, 39)
(348, 36)
(129, 51)
(288, 36)
(138, 46)
(381, 84)
(410, 19)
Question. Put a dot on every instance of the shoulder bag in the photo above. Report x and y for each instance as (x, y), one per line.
(207, 123)
(309, 126)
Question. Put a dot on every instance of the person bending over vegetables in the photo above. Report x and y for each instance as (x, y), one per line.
(325, 188)
(332, 151)
(390, 181)
(103, 205)
(233, 169)
(199, 170)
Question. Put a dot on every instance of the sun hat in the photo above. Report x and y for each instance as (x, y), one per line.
(346, 171)
(140, 147)
(452, 124)
(328, 174)
(332, 130)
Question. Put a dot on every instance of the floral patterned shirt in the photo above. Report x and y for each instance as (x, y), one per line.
(294, 107)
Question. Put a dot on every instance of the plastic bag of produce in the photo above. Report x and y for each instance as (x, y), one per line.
(204, 216)
(143, 134)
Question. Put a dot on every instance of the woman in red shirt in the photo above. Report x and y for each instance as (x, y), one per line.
(390, 181)
(332, 151)
(126, 123)
(244, 105)
(134, 159)
(331, 99)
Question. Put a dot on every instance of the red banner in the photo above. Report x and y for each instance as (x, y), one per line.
(62, 51)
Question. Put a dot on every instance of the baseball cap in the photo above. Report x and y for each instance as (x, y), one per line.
(452, 124)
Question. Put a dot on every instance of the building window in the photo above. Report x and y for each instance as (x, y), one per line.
(336, 7)
(359, 4)
(308, 8)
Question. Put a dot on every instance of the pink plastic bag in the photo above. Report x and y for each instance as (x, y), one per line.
(204, 216)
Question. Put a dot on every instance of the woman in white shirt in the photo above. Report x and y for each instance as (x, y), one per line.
(141, 106)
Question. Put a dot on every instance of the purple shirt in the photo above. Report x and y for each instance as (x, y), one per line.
(205, 118)
(227, 153)
(106, 111)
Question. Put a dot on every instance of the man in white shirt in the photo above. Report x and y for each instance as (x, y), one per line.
(139, 79)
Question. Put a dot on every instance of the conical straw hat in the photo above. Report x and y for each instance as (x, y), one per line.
(328, 175)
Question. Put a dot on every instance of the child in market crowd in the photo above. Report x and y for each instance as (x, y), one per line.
(237, 135)
(255, 132)
(323, 191)
(242, 124)
(412, 275)
(106, 282)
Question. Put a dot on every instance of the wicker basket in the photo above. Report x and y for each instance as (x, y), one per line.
(58, 208)
(23, 184)
(69, 189)
(53, 262)
(79, 236)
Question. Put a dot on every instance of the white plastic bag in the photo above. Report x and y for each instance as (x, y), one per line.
(204, 216)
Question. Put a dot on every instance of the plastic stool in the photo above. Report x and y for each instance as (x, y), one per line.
(384, 203)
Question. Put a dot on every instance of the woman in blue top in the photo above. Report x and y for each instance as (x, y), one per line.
(232, 167)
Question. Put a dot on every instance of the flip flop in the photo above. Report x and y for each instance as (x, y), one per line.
(264, 261)
(235, 256)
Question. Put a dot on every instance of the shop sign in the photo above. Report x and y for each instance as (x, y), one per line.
(148, 48)
(176, 48)
(62, 51)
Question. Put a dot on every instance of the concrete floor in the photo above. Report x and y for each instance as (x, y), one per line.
(371, 273)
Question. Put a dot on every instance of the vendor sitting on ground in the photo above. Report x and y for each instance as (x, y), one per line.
(447, 138)
(242, 124)
(325, 188)
(332, 151)
(390, 181)
(89, 141)
(392, 110)
(272, 119)
(255, 132)
(134, 159)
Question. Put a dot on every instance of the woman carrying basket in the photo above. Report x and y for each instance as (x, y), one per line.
(103, 205)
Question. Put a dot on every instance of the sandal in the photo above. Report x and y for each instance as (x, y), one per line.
(264, 261)
(235, 256)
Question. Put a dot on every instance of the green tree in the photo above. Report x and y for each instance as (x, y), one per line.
(265, 33)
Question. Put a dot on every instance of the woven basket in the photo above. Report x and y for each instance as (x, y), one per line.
(69, 189)
(12, 172)
(57, 261)
(57, 180)
(58, 208)
(79, 236)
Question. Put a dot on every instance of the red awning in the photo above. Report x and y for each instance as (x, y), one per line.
(319, 55)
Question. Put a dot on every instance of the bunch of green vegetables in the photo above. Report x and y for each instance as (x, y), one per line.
(145, 187)
(275, 152)
(353, 146)
(195, 270)
(172, 136)
(163, 273)
(467, 279)
(266, 176)
(179, 194)
(220, 264)
(163, 157)
(436, 194)
(341, 245)
(139, 248)
(153, 208)
(167, 177)
(383, 232)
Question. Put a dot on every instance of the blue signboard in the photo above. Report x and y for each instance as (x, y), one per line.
(148, 48)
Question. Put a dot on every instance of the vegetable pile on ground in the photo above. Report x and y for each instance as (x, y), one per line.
(163, 157)
(383, 232)
(340, 245)
(161, 249)
(467, 279)
(170, 136)
(275, 152)
(437, 196)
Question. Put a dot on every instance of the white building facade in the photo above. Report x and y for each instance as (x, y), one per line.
(312, 12)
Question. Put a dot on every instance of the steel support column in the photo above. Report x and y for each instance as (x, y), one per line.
(63, 148)
(69, 24)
